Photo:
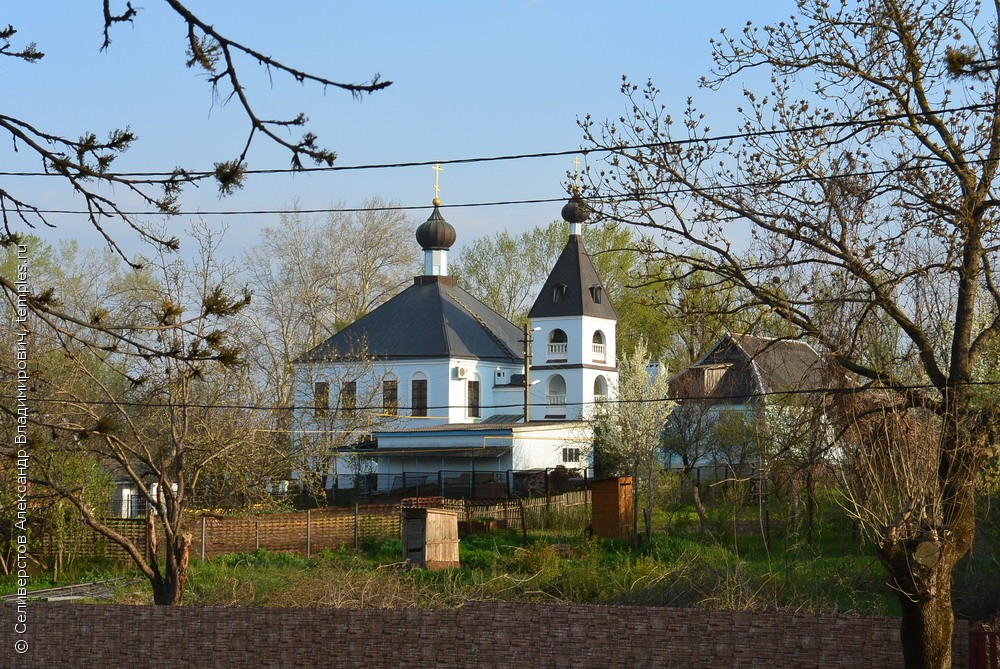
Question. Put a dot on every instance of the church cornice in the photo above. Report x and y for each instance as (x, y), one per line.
(602, 368)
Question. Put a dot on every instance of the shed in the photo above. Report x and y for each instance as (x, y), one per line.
(611, 507)
(430, 537)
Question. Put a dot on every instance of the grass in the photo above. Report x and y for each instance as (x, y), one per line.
(553, 566)
(733, 566)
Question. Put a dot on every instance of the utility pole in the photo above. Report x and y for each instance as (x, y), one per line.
(527, 373)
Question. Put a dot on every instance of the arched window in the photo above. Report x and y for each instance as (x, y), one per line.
(595, 293)
(559, 292)
(418, 394)
(390, 395)
(558, 345)
(556, 392)
(472, 396)
(348, 396)
(600, 389)
(321, 398)
(599, 348)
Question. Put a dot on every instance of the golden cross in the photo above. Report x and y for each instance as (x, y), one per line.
(437, 173)
(576, 172)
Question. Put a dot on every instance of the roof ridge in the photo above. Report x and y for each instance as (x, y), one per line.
(503, 346)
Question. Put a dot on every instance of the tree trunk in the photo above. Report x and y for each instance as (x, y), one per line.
(926, 632)
(793, 502)
(699, 507)
(650, 497)
(168, 589)
(810, 505)
(635, 506)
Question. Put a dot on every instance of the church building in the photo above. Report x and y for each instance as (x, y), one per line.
(442, 380)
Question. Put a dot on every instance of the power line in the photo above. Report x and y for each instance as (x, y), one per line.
(719, 399)
(203, 174)
(679, 190)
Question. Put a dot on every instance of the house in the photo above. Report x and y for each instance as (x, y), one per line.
(434, 391)
(742, 380)
(740, 371)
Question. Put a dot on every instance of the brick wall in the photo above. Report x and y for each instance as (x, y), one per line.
(512, 636)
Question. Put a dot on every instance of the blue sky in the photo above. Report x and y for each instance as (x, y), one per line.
(470, 79)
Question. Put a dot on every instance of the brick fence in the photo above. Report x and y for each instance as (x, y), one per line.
(512, 636)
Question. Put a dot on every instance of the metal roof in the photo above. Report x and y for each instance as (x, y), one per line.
(503, 418)
(444, 452)
(433, 318)
(577, 273)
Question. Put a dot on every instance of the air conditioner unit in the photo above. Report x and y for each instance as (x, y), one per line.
(461, 372)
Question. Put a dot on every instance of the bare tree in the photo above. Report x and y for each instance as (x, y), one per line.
(687, 439)
(348, 403)
(859, 194)
(311, 278)
(150, 420)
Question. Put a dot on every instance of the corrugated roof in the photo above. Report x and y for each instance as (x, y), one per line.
(444, 452)
(433, 318)
(576, 272)
(742, 367)
(503, 418)
(783, 364)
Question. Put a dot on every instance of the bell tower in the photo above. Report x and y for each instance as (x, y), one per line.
(574, 346)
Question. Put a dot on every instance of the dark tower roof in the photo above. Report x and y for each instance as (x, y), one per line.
(574, 287)
(435, 234)
(433, 318)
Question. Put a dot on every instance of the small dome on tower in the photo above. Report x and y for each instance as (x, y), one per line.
(576, 210)
(435, 233)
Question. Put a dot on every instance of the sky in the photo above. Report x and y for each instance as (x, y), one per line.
(470, 79)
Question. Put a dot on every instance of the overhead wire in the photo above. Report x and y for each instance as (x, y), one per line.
(875, 120)
(679, 190)
(720, 399)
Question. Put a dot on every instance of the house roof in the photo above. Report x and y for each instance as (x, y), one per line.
(576, 272)
(740, 368)
(433, 318)
(444, 452)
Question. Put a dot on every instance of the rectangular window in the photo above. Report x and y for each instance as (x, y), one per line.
(418, 397)
(390, 397)
(473, 399)
(571, 455)
(349, 396)
(321, 398)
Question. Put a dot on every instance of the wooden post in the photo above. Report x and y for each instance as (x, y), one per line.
(204, 537)
(308, 532)
(357, 529)
(548, 491)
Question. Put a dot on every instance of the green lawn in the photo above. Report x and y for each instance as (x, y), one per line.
(683, 569)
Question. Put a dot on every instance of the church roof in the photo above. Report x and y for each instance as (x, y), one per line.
(570, 288)
(433, 318)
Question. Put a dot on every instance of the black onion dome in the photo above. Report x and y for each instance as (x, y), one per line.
(576, 210)
(436, 234)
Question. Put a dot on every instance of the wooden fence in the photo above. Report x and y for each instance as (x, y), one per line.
(984, 647)
(308, 532)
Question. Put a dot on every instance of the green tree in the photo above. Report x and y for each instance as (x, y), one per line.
(862, 169)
